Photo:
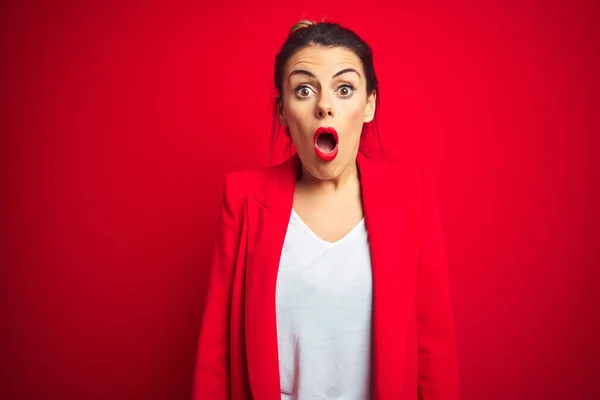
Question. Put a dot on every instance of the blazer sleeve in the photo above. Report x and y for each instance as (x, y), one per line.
(212, 374)
(438, 364)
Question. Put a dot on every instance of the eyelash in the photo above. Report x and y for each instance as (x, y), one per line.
(352, 89)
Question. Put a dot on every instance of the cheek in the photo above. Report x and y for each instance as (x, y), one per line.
(292, 113)
(296, 120)
(357, 115)
(298, 117)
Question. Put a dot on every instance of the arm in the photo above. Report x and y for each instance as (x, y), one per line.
(438, 366)
(211, 375)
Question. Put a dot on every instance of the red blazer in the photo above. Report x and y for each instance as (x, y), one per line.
(414, 354)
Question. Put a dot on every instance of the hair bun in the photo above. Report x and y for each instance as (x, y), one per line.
(301, 25)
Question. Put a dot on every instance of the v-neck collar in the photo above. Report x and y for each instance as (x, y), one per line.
(321, 241)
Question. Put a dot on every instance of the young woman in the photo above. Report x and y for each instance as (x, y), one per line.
(329, 278)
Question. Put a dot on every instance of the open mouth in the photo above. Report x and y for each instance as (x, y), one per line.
(326, 143)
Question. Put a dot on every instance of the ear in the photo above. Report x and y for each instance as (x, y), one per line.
(280, 112)
(370, 107)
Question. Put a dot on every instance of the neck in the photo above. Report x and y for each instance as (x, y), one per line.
(347, 179)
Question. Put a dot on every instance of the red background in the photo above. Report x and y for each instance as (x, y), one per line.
(120, 121)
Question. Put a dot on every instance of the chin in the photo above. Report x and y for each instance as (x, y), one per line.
(325, 173)
(323, 170)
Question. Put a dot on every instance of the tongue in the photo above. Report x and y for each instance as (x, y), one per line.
(326, 143)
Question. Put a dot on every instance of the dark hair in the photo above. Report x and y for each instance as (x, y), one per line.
(326, 34)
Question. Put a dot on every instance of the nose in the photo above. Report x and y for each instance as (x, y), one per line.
(324, 107)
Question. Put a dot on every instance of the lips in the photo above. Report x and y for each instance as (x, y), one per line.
(326, 143)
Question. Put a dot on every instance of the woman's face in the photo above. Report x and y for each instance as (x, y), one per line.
(325, 87)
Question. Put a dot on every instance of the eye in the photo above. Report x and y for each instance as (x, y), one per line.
(303, 91)
(346, 90)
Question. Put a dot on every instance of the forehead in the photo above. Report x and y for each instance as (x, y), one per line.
(315, 58)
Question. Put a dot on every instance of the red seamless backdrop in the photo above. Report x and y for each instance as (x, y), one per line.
(120, 120)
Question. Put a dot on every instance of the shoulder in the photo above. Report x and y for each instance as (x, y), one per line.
(399, 171)
(242, 184)
(416, 175)
(237, 186)
(247, 182)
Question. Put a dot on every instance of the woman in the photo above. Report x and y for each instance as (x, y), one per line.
(329, 278)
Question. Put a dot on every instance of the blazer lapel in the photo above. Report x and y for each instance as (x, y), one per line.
(391, 220)
(268, 216)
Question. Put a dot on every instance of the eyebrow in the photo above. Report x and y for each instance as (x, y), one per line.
(310, 74)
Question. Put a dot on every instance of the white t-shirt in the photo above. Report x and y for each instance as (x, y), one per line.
(324, 305)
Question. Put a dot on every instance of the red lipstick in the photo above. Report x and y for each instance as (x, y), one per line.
(326, 143)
